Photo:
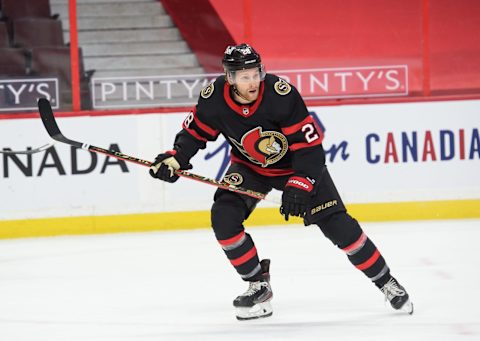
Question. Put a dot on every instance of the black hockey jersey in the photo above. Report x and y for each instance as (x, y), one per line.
(273, 136)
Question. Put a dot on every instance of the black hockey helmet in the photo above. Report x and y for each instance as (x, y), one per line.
(241, 57)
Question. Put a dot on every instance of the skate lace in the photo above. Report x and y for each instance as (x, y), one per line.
(391, 290)
(253, 287)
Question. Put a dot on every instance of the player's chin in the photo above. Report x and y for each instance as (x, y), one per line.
(253, 94)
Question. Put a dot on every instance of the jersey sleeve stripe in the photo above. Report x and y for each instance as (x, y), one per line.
(194, 133)
(300, 145)
(297, 126)
(210, 131)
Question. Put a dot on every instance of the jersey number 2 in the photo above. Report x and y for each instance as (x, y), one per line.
(310, 133)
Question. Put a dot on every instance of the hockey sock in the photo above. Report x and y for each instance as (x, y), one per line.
(241, 252)
(364, 255)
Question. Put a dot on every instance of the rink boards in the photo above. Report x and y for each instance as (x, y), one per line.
(390, 162)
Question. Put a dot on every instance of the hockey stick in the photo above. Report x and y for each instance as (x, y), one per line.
(48, 119)
(29, 151)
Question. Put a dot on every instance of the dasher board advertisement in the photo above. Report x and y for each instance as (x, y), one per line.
(375, 153)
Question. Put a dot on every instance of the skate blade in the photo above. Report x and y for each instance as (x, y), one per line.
(407, 307)
(259, 310)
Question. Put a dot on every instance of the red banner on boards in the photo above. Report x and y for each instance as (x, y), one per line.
(371, 81)
(325, 83)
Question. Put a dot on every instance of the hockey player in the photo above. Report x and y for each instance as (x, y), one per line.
(275, 144)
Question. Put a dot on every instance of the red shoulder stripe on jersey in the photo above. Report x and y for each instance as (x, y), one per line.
(300, 145)
(210, 131)
(261, 170)
(239, 108)
(297, 126)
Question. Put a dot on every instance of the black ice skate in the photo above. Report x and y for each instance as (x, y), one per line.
(255, 302)
(397, 296)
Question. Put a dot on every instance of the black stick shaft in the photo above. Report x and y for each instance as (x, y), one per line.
(48, 119)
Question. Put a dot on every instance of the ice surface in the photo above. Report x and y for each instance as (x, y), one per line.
(179, 286)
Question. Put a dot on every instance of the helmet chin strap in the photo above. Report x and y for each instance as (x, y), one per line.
(235, 90)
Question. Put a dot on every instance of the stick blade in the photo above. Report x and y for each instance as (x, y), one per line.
(48, 119)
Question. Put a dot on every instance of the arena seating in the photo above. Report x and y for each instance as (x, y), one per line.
(13, 62)
(15, 9)
(118, 38)
(33, 32)
(4, 39)
(54, 61)
(32, 45)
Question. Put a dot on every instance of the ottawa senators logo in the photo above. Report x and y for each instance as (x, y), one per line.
(233, 179)
(262, 148)
(207, 91)
(282, 87)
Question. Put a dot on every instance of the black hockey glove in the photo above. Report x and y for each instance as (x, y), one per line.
(166, 164)
(296, 196)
